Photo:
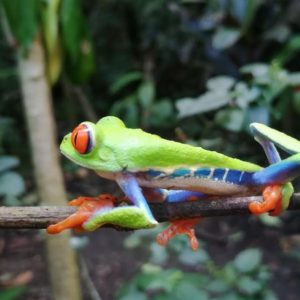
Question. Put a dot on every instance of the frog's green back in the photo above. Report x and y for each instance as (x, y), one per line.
(135, 150)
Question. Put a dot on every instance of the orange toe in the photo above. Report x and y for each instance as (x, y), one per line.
(87, 207)
(180, 227)
(272, 201)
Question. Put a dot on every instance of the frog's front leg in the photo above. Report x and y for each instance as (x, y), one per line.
(132, 190)
(87, 207)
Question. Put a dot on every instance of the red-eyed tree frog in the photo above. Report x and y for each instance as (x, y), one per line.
(148, 167)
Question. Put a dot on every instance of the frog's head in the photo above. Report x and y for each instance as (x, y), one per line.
(84, 145)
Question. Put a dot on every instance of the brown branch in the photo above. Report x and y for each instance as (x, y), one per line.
(41, 217)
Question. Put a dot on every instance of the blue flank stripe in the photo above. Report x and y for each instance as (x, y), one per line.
(218, 174)
(154, 173)
(246, 179)
(232, 176)
(201, 172)
(181, 173)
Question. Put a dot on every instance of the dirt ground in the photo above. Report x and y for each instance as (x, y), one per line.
(109, 264)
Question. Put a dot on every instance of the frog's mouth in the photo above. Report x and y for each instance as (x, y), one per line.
(66, 148)
(77, 160)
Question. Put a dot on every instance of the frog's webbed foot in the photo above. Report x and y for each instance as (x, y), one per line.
(272, 201)
(180, 227)
(87, 207)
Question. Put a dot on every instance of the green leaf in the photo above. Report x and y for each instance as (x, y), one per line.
(159, 254)
(296, 102)
(22, 18)
(8, 162)
(11, 183)
(124, 81)
(264, 274)
(248, 285)
(12, 293)
(248, 260)
(294, 79)
(290, 49)
(165, 280)
(230, 273)
(270, 221)
(250, 10)
(220, 83)
(11, 200)
(132, 241)
(209, 101)
(162, 114)
(72, 27)
(50, 23)
(230, 296)
(133, 295)
(50, 27)
(80, 57)
(149, 268)
(191, 258)
(186, 290)
(259, 114)
(279, 33)
(245, 95)
(132, 115)
(225, 37)
(256, 69)
(231, 119)
(217, 286)
(269, 295)
(146, 94)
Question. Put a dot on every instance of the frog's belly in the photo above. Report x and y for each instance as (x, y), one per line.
(214, 181)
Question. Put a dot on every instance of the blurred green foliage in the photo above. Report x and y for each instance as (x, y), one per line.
(245, 277)
(12, 185)
(246, 101)
(12, 293)
(62, 27)
(140, 105)
(135, 59)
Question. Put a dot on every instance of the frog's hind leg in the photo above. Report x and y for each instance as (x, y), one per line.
(185, 226)
(180, 227)
(182, 195)
(162, 195)
(276, 176)
(267, 137)
(275, 195)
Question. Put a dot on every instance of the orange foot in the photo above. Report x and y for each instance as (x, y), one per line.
(272, 201)
(180, 227)
(87, 206)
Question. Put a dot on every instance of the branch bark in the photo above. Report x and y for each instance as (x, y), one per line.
(43, 216)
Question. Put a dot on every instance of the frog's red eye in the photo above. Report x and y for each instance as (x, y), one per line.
(82, 138)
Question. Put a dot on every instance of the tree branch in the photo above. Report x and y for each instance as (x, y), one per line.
(41, 217)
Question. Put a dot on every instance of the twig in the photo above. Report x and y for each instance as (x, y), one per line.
(41, 217)
(85, 275)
